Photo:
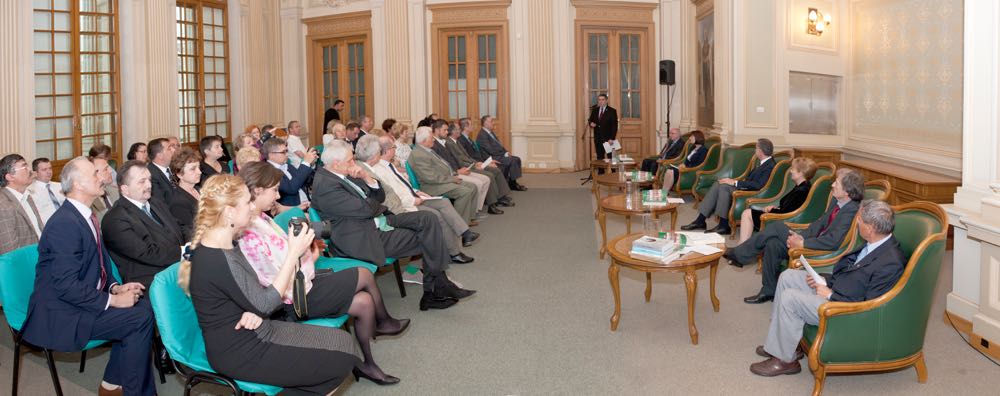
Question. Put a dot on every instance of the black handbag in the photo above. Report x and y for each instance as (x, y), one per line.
(299, 301)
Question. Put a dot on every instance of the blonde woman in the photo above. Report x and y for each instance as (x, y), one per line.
(244, 157)
(404, 143)
(233, 308)
(336, 131)
(802, 171)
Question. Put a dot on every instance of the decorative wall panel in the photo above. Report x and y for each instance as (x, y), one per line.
(907, 74)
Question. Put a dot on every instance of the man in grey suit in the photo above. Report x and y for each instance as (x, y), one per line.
(436, 177)
(720, 197)
(490, 144)
(351, 202)
(20, 222)
(826, 233)
(368, 157)
(105, 202)
(862, 275)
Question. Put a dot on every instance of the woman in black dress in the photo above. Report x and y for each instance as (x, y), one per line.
(211, 154)
(351, 291)
(694, 158)
(802, 171)
(233, 308)
(185, 170)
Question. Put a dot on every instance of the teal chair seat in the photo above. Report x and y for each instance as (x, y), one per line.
(17, 282)
(412, 176)
(177, 323)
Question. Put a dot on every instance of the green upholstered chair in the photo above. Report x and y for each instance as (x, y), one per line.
(736, 163)
(822, 169)
(886, 333)
(17, 282)
(686, 177)
(676, 161)
(413, 177)
(774, 188)
(781, 156)
(178, 326)
(814, 206)
(878, 189)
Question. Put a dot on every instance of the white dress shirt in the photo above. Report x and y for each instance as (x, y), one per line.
(386, 175)
(39, 191)
(293, 144)
(165, 170)
(22, 198)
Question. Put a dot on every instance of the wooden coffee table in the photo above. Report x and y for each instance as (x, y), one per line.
(613, 181)
(688, 264)
(615, 204)
(608, 167)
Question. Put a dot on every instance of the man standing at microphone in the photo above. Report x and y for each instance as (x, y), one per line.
(604, 120)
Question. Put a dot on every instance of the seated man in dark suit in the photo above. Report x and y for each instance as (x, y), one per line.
(720, 196)
(490, 144)
(76, 299)
(863, 275)
(826, 233)
(497, 179)
(672, 148)
(142, 236)
(361, 227)
(160, 153)
(293, 184)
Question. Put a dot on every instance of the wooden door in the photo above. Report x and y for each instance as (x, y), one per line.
(615, 61)
(472, 77)
(343, 65)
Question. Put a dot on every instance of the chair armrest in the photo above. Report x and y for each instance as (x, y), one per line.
(797, 226)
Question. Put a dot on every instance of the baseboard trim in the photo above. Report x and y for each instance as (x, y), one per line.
(991, 348)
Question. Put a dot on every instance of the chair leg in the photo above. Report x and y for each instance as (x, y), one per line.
(17, 367)
(921, 368)
(399, 279)
(83, 360)
(820, 375)
(52, 372)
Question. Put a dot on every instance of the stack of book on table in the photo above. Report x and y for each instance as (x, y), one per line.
(658, 198)
(655, 249)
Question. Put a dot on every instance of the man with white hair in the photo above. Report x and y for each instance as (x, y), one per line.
(436, 177)
(77, 299)
(374, 154)
(862, 275)
(351, 202)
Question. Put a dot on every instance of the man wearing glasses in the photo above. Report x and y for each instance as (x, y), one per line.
(292, 188)
(20, 223)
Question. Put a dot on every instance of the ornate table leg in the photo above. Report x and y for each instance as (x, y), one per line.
(711, 284)
(597, 197)
(673, 220)
(649, 285)
(602, 220)
(616, 292)
(628, 224)
(691, 281)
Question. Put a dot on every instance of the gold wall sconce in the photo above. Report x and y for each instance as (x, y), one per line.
(818, 22)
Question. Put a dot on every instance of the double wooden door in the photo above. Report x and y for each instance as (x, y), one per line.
(616, 62)
(472, 77)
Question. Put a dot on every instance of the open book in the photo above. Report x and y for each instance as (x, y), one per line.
(612, 145)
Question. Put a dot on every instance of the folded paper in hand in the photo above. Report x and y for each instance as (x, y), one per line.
(489, 160)
(612, 145)
(809, 269)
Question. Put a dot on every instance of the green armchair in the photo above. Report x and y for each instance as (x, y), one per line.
(879, 190)
(735, 163)
(822, 169)
(886, 333)
(774, 188)
(686, 176)
(812, 209)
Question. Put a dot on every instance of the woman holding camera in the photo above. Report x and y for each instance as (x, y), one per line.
(351, 291)
(234, 311)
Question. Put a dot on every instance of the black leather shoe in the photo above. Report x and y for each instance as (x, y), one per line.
(728, 255)
(758, 299)
(505, 202)
(452, 291)
(400, 326)
(461, 258)
(468, 237)
(517, 187)
(494, 210)
(387, 380)
(693, 226)
(430, 301)
(720, 229)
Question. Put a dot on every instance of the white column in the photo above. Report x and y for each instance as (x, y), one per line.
(420, 78)
(17, 102)
(380, 72)
(670, 47)
(293, 63)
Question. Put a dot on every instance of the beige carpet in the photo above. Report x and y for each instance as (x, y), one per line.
(539, 325)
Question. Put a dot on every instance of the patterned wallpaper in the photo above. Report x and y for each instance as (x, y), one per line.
(907, 73)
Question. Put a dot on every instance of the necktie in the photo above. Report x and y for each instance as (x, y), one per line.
(52, 196)
(145, 208)
(474, 143)
(600, 114)
(829, 220)
(100, 251)
(412, 191)
(864, 252)
(107, 202)
(380, 221)
(38, 217)
(356, 188)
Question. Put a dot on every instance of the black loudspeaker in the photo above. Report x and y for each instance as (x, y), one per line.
(666, 72)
